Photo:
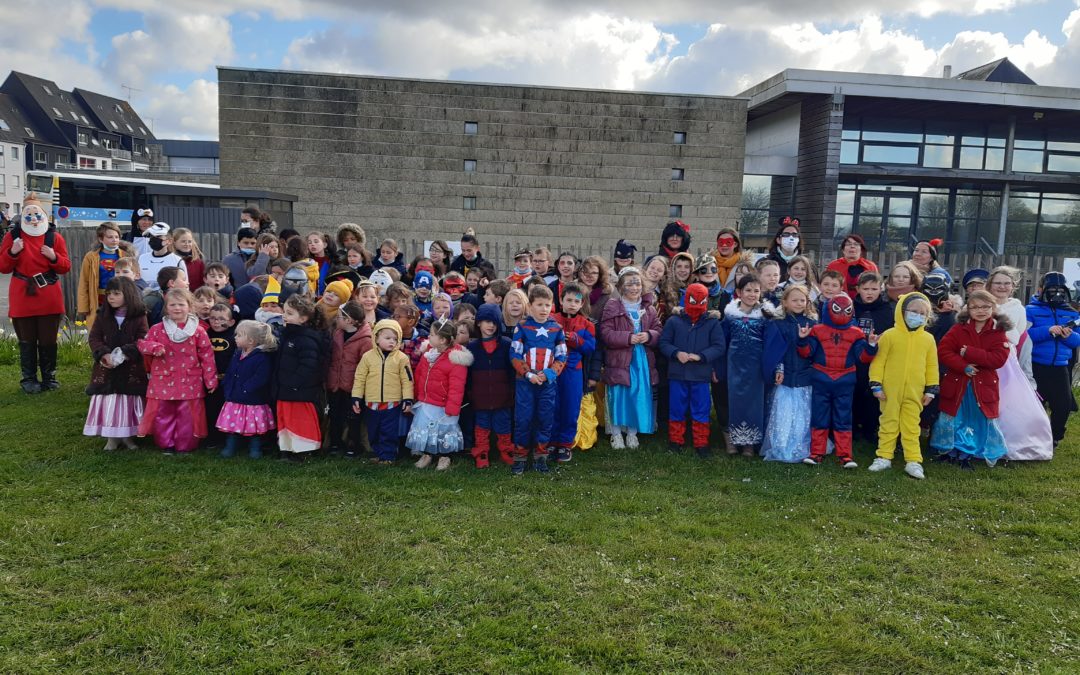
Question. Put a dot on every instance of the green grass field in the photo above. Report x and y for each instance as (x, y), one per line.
(622, 561)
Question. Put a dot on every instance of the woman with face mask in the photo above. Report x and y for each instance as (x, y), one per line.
(786, 245)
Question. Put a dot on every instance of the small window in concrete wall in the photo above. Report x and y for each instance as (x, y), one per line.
(471, 128)
(470, 166)
(680, 138)
(675, 211)
(678, 174)
(468, 203)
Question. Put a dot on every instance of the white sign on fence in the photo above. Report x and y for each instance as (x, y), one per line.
(1071, 270)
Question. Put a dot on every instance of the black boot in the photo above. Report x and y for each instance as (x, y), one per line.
(47, 360)
(28, 363)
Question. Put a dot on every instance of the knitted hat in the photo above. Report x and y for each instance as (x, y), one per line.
(423, 280)
(624, 249)
(382, 279)
(977, 274)
(273, 291)
(490, 312)
(389, 324)
(342, 288)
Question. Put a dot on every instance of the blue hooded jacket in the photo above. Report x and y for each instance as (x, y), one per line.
(1046, 349)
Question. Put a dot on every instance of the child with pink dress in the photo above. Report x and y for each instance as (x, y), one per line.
(182, 370)
(246, 385)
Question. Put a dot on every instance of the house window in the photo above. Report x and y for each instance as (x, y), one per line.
(680, 138)
(138, 146)
(3, 186)
(113, 123)
(4, 125)
(678, 174)
(74, 116)
(143, 131)
(87, 163)
(472, 128)
(1, 157)
(469, 203)
(47, 90)
(84, 120)
(118, 109)
(15, 182)
(58, 113)
(84, 138)
(470, 166)
(674, 210)
(14, 152)
(29, 131)
(41, 158)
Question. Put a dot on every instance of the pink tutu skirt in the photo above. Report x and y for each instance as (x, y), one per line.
(113, 415)
(246, 420)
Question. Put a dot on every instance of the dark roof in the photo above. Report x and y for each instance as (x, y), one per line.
(20, 128)
(177, 148)
(113, 115)
(1001, 70)
(56, 103)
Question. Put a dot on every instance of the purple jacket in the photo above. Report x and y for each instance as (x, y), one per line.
(616, 327)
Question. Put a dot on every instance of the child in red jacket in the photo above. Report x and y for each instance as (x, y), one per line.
(972, 352)
(351, 340)
(439, 390)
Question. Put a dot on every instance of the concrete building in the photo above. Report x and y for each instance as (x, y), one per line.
(188, 157)
(898, 158)
(419, 158)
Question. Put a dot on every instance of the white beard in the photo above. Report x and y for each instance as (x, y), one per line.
(39, 228)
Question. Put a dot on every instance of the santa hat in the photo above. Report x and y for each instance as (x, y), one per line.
(342, 288)
(273, 291)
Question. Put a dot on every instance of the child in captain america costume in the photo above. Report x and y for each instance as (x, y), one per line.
(580, 344)
(538, 354)
(833, 347)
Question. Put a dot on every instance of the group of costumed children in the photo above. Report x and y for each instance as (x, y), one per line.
(519, 379)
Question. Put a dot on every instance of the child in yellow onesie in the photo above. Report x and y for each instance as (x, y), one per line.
(904, 378)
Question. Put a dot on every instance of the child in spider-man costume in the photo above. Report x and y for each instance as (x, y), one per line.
(833, 347)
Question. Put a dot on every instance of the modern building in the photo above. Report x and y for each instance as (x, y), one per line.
(424, 159)
(195, 157)
(79, 129)
(988, 160)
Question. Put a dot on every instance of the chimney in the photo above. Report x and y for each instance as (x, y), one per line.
(946, 72)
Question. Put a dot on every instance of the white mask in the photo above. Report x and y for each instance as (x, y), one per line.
(789, 243)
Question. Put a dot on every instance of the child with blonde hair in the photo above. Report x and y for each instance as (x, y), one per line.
(246, 412)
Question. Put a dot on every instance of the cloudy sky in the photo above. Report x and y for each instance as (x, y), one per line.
(166, 51)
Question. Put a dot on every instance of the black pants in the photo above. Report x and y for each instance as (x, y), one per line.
(342, 420)
(39, 330)
(720, 403)
(1056, 389)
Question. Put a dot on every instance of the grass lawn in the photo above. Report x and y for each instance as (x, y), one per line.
(622, 561)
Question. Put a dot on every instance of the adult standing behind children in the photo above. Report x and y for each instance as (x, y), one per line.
(786, 245)
(35, 255)
(852, 262)
(727, 254)
(470, 254)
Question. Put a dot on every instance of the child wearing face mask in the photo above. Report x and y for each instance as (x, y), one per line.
(522, 268)
(904, 377)
(160, 255)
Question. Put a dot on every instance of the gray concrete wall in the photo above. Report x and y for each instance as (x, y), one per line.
(554, 165)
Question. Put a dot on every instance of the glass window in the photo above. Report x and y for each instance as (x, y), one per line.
(933, 206)
(472, 128)
(14, 152)
(898, 130)
(679, 138)
(1059, 234)
(470, 166)
(849, 152)
(929, 228)
(468, 203)
(674, 210)
(1055, 209)
(939, 132)
(756, 198)
(1063, 163)
(1028, 161)
(890, 154)
(678, 174)
(871, 204)
(845, 201)
(971, 158)
(995, 159)
(849, 134)
(58, 113)
(843, 225)
(938, 156)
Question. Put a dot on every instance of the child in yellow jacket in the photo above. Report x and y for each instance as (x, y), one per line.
(384, 389)
(904, 378)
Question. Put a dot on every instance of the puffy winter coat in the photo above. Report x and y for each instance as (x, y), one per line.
(491, 377)
(906, 363)
(302, 361)
(704, 338)
(383, 377)
(185, 371)
(130, 376)
(1047, 349)
(781, 351)
(987, 351)
(345, 355)
(442, 382)
(247, 381)
(616, 329)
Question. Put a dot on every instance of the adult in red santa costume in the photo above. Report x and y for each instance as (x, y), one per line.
(35, 256)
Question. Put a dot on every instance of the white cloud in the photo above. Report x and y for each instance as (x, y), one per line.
(169, 43)
(182, 113)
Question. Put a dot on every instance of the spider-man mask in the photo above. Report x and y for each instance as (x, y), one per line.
(697, 301)
(840, 309)
(453, 286)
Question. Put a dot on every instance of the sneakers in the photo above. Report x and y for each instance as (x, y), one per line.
(914, 469)
(811, 461)
(617, 441)
(850, 464)
(563, 455)
(518, 467)
(444, 463)
(631, 441)
(703, 452)
(424, 462)
(880, 464)
(540, 465)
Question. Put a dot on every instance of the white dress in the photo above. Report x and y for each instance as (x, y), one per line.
(1024, 421)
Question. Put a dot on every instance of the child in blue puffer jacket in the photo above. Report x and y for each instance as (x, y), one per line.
(247, 389)
(1054, 338)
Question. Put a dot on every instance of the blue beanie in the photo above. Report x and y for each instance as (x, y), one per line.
(423, 279)
(490, 312)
